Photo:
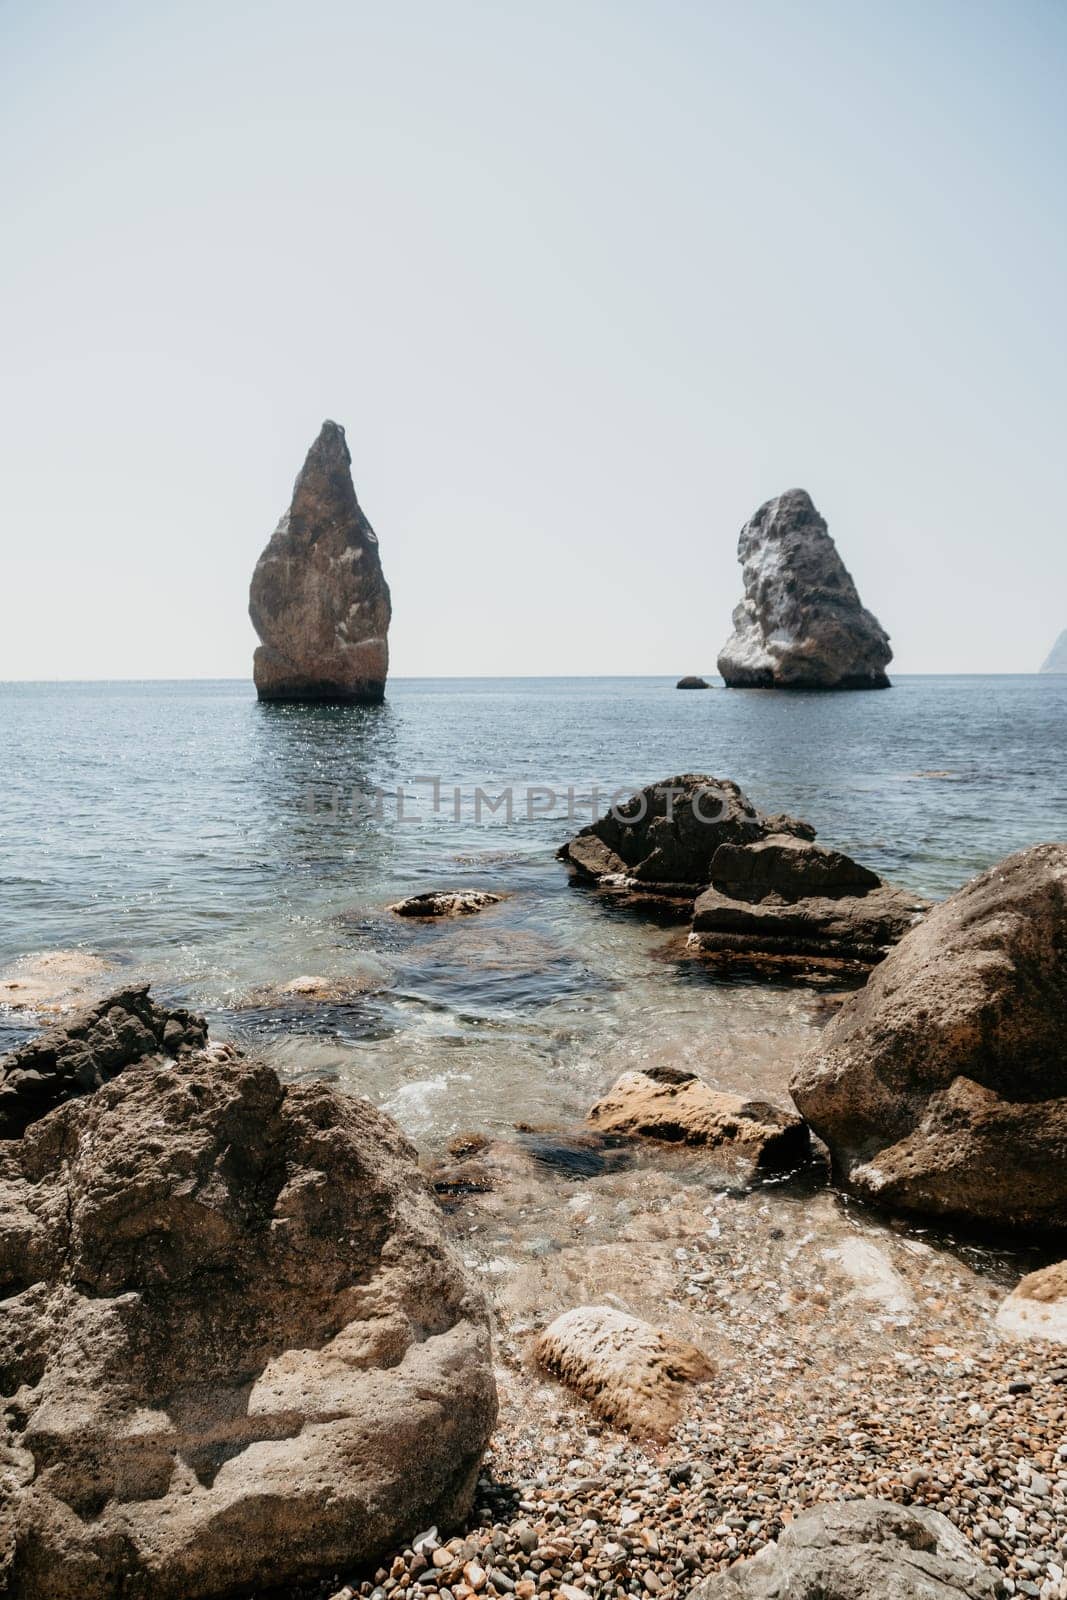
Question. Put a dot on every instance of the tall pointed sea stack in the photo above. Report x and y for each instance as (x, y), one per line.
(319, 600)
(1056, 661)
(801, 624)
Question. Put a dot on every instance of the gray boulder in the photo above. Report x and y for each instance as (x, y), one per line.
(237, 1351)
(801, 624)
(941, 1087)
(318, 599)
(861, 1550)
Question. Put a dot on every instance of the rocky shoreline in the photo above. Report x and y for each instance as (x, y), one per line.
(247, 1352)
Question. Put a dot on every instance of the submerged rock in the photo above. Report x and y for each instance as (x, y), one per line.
(861, 1550)
(237, 1350)
(692, 683)
(631, 1374)
(446, 903)
(1056, 660)
(318, 599)
(54, 980)
(801, 624)
(1037, 1307)
(941, 1087)
(312, 990)
(677, 1107)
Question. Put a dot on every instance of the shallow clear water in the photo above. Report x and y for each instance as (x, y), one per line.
(169, 827)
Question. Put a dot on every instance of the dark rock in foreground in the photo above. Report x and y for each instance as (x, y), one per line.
(1056, 660)
(861, 1550)
(237, 1351)
(941, 1087)
(692, 683)
(801, 624)
(91, 1047)
(318, 600)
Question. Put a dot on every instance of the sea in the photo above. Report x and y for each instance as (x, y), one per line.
(221, 849)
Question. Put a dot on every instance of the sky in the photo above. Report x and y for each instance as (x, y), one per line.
(585, 283)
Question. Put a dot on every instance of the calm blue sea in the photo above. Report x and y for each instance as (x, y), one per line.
(219, 846)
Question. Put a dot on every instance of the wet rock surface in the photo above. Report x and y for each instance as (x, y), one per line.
(318, 600)
(679, 1108)
(237, 1349)
(864, 1550)
(757, 887)
(446, 903)
(941, 1087)
(801, 624)
(52, 981)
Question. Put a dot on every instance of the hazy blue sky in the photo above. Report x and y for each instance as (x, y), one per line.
(585, 283)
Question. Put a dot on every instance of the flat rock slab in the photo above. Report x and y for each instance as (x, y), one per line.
(861, 1550)
(446, 903)
(1037, 1307)
(635, 1376)
(679, 1108)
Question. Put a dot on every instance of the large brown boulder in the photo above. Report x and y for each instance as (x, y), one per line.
(801, 624)
(319, 600)
(236, 1349)
(941, 1087)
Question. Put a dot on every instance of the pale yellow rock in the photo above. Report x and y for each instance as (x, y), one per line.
(1037, 1307)
(630, 1373)
(678, 1108)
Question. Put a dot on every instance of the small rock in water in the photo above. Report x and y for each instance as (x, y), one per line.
(446, 903)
